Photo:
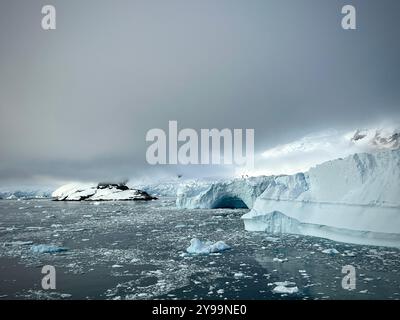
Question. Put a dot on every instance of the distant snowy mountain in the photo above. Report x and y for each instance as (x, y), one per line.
(302, 154)
(376, 139)
(25, 193)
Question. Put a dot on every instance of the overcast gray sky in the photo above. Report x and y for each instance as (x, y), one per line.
(76, 103)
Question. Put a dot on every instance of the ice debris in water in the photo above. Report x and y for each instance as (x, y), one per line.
(199, 247)
(43, 248)
(288, 290)
(330, 251)
(285, 287)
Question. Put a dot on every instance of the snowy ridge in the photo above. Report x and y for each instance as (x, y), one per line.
(356, 199)
(235, 193)
(378, 139)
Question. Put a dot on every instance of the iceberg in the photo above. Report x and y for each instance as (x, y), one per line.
(162, 188)
(100, 192)
(233, 193)
(355, 199)
(199, 247)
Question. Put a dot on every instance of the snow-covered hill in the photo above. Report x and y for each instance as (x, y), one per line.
(93, 192)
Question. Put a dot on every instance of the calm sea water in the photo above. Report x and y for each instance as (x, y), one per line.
(136, 250)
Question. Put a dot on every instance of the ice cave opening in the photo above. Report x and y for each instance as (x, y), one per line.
(229, 202)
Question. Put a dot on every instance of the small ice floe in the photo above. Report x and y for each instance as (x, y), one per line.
(180, 226)
(279, 260)
(238, 274)
(304, 274)
(18, 243)
(348, 253)
(199, 247)
(43, 248)
(271, 239)
(286, 287)
(116, 266)
(34, 228)
(330, 251)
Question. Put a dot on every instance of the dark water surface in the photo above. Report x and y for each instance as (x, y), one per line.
(136, 250)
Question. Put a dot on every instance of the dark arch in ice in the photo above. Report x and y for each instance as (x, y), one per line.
(229, 202)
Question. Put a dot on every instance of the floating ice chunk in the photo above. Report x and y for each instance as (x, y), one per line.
(238, 275)
(330, 251)
(43, 248)
(18, 243)
(284, 283)
(282, 289)
(285, 287)
(279, 260)
(199, 247)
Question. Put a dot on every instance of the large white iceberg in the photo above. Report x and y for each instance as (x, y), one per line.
(356, 199)
(99, 192)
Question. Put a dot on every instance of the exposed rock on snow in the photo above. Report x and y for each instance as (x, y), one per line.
(235, 193)
(199, 247)
(356, 199)
(100, 192)
(377, 138)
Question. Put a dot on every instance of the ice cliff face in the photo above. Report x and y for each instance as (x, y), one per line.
(356, 199)
(100, 192)
(236, 193)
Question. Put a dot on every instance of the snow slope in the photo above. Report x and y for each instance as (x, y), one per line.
(93, 192)
(356, 199)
